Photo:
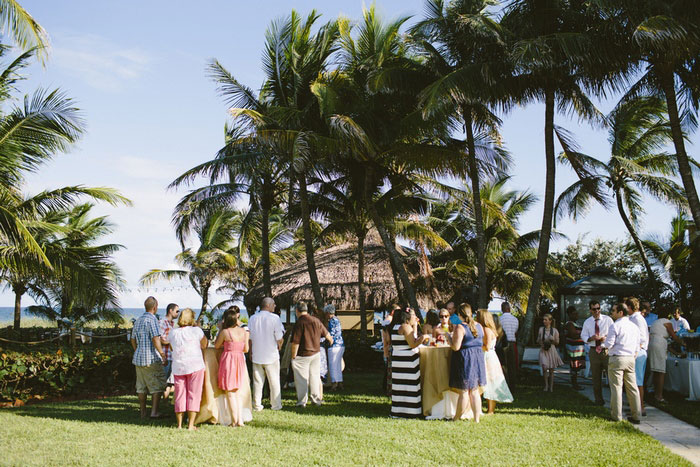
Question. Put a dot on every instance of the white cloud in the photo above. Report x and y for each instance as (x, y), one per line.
(98, 62)
(141, 168)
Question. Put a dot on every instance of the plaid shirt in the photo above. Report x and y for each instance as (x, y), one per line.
(145, 329)
(165, 327)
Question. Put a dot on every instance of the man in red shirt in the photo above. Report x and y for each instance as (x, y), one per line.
(306, 357)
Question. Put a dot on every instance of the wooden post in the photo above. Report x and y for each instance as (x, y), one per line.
(72, 336)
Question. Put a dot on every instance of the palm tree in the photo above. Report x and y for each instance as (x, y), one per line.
(510, 257)
(30, 134)
(665, 36)
(380, 127)
(241, 168)
(212, 261)
(456, 38)
(550, 42)
(673, 255)
(637, 132)
(25, 31)
(43, 218)
(85, 281)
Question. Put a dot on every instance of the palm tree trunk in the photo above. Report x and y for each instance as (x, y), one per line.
(683, 164)
(361, 283)
(308, 242)
(633, 234)
(484, 293)
(19, 291)
(394, 257)
(265, 233)
(205, 301)
(547, 215)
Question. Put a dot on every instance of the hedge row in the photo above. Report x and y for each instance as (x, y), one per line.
(64, 371)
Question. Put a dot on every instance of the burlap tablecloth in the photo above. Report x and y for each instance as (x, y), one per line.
(434, 375)
(214, 406)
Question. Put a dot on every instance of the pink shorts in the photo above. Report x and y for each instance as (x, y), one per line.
(188, 391)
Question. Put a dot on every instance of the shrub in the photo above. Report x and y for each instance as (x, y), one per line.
(360, 356)
(60, 371)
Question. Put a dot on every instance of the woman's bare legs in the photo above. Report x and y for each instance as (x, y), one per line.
(191, 416)
(551, 380)
(461, 406)
(178, 417)
(491, 406)
(659, 385)
(475, 399)
(232, 407)
(546, 379)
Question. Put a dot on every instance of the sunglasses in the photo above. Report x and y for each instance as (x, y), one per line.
(595, 308)
(444, 316)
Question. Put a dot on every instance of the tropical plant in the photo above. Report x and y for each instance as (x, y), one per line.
(16, 22)
(211, 262)
(458, 38)
(675, 258)
(664, 35)
(551, 44)
(84, 281)
(637, 133)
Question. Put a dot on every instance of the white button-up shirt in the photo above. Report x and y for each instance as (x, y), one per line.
(265, 330)
(588, 331)
(680, 323)
(510, 325)
(623, 338)
(638, 319)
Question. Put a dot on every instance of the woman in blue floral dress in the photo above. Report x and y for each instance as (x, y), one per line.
(335, 351)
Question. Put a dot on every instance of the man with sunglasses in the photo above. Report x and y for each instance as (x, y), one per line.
(594, 332)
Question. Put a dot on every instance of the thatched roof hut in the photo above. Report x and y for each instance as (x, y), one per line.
(336, 267)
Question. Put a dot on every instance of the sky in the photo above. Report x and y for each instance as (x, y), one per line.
(136, 69)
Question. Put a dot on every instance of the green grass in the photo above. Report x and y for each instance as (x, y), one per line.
(352, 427)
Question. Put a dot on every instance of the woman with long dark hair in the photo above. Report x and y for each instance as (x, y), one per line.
(232, 369)
(405, 365)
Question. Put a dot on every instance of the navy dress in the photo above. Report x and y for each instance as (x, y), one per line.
(467, 365)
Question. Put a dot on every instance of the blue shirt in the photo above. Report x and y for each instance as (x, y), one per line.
(454, 319)
(335, 331)
(145, 329)
(650, 318)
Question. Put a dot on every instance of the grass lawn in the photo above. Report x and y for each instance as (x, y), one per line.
(352, 427)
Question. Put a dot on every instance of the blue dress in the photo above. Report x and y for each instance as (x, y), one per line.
(467, 365)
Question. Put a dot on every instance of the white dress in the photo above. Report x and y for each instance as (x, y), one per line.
(658, 344)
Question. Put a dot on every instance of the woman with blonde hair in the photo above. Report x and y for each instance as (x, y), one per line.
(548, 338)
(467, 366)
(187, 343)
(496, 389)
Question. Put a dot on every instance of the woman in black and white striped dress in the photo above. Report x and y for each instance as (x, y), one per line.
(405, 365)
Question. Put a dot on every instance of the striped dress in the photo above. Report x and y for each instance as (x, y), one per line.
(575, 348)
(405, 377)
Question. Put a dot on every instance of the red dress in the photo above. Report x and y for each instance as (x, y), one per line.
(232, 366)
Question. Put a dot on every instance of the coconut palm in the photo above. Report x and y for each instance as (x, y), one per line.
(665, 36)
(242, 168)
(16, 22)
(381, 126)
(84, 281)
(550, 47)
(212, 261)
(637, 131)
(458, 37)
(675, 258)
(31, 133)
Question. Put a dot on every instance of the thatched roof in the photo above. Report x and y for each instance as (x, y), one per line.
(336, 268)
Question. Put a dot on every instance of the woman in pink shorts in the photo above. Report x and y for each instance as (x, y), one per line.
(187, 342)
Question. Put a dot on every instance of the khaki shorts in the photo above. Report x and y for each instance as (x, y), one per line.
(150, 379)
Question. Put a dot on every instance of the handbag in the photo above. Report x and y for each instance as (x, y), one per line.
(546, 345)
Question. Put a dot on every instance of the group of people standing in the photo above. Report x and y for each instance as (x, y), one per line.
(169, 358)
(625, 344)
(475, 367)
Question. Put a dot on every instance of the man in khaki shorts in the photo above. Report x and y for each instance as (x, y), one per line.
(148, 358)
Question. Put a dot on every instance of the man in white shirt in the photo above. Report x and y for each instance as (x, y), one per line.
(640, 363)
(266, 335)
(623, 343)
(594, 332)
(679, 322)
(510, 325)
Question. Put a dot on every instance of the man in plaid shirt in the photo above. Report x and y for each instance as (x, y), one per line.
(166, 325)
(149, 358)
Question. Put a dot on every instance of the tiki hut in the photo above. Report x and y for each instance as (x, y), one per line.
(336, 267)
